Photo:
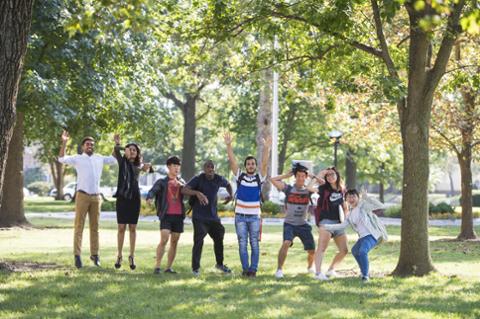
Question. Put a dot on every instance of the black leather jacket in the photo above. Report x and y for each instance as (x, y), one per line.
(159, 192)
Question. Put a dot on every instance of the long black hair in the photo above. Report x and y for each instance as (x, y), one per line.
(137, 161)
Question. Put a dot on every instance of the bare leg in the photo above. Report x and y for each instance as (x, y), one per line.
(282, 253)
(341, 242)
(172, 251)
(310, 258)
(133, 238)
(323, 240)
(120, 238)
(164, 237)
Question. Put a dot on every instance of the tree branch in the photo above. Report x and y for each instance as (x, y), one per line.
(443, 55)
(446, 139)
(383, 42)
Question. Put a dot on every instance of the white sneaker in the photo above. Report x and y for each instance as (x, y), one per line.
(331, 273)
(279, 274)
(311, 270)
(321, 276)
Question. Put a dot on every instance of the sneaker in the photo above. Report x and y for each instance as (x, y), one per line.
(170, 271)
(321, 276)
(331, 273)
(279, 274)
(196, 273)
(365, 279)
(223, 268)
(157, 271)
(311, 270)
(96, 260)
(252, 274)
(78, 262)
(245, 273)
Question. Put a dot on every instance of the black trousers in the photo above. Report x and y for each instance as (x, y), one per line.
(200, 229)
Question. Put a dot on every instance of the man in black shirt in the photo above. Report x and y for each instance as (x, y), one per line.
(203, 190)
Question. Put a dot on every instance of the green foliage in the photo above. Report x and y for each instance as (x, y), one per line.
(108, 205)
(440, 208)
(33, 174)
(393, 211)
(40, 188)
(271, 208)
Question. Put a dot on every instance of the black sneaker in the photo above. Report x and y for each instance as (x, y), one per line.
(78, 262)
(245, 273)
(224, 269)
(96, 260)
(252, 274)
(157, 271)
(170, 271)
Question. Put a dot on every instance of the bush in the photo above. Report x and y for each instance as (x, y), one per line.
(271, 208)
(108, 206)
(40, 188)
(147, 210)
(393, 211)
(440, 208)
(475, 200)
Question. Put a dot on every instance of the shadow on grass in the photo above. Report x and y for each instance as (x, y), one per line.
(105, 293)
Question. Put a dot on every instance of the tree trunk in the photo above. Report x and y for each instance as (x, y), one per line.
(414, 115)
(452, 187)
(57, 170)
(381, 192)
(189, 127)
(11, 209)
(264, 121)
(350, 170)
(15, 19)
(466, 230)
(287, 135)
(465, 160)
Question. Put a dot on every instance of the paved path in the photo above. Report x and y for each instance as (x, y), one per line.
(230, 220)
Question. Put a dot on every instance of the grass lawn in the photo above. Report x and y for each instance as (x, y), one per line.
(64, 292)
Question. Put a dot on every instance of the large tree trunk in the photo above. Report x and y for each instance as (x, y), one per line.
(11, 209)
(189, 127)
(57, 170)
(414, 124)
(15, 19)
(350, 170)
(264, 120)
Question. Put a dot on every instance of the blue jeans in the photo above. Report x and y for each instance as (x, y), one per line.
(248, 227)
(360, 252)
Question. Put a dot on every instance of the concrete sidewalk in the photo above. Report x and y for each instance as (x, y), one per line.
(111, 216)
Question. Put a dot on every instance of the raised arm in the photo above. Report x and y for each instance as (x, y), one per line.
(277, 180)
(65, 137)
(267, 143)
(231, 157)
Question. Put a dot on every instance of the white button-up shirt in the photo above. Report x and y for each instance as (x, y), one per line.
(89, 170)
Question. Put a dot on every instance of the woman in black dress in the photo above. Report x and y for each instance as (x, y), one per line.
(128, 195)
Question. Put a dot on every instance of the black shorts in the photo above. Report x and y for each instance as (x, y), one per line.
(304, 232)
(172, 223)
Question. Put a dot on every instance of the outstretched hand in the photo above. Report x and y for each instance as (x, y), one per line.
(116, 138)
(227, 137)
(65, 136)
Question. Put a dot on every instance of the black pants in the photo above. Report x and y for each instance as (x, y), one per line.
(200, 229)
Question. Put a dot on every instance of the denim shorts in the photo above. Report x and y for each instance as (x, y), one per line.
(304, 232)
(334, 233)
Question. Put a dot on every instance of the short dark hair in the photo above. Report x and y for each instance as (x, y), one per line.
(87, 138)
(249, 158)
(352, 191)
(207, 162)
(299, 168)
(174, 160)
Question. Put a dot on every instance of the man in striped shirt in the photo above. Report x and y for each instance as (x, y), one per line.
(247, 204)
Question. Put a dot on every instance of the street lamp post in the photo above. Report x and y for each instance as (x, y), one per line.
(335, 135)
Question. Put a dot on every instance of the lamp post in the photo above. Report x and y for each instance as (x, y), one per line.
(335, 135)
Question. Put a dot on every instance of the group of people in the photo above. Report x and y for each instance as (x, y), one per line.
(336, 208)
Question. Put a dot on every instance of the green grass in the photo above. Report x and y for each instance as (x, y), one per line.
(452, 292)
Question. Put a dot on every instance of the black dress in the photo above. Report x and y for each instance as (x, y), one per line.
(128, 192)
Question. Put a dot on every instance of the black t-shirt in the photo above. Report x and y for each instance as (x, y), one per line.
(329, 202)
(209, 188)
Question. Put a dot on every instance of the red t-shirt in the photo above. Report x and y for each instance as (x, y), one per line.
(174, 198)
